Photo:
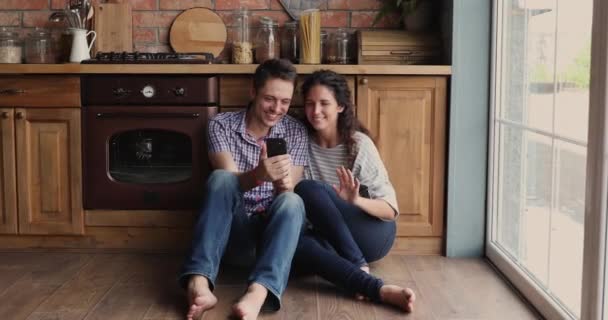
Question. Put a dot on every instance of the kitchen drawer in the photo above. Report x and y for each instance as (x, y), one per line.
(235, 90)
(40, 91)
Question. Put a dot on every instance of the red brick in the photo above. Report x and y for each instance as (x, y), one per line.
(163, 36)
(275, 5)
(36, 19)
(227, 17)
(152, 48)
(365, 20)
(145, 35)
(353, 4)
(153, 19)
(235, 4)
(143, 4)
(184, 4)
(62, 4)
(334, 19)
(24, 4)
(10, 19)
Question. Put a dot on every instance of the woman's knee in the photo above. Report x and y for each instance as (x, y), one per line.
(307, 187)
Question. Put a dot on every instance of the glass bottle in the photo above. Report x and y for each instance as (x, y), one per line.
(10, 46)
(39, 47)
(267, 44)
(242, 48)
(324, 38)
(289, 41)
(338, 50)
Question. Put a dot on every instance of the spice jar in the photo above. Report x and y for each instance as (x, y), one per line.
(10, 47)
(289, 41)
(338, 49)
(267, 44)
(242, 49)
(39, 47)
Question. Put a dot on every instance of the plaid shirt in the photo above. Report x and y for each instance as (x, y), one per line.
(227, 133)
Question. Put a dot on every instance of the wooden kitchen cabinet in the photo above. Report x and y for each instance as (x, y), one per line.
(41, 156)
(407, 119)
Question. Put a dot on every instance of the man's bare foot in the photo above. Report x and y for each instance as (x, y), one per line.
(250, 304)
(398, 296)
(200, 298)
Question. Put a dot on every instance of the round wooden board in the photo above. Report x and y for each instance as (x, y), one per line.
(198, 30)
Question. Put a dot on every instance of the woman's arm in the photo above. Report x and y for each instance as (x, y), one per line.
(376, 207)
(349, 191)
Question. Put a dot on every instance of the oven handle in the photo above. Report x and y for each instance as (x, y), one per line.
(164, 115)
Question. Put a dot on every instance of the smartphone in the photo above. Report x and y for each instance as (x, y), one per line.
(276, 147)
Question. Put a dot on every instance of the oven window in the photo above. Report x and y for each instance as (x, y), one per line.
(150, 156)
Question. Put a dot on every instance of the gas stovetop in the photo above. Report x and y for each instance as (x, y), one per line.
(150, 58)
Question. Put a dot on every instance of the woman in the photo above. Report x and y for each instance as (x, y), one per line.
(350, 202)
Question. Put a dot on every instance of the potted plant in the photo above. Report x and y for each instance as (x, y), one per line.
(416, 15)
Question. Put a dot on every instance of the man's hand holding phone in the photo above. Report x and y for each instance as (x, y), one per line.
(273, 167)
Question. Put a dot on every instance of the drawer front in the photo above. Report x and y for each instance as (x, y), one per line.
(40, 91)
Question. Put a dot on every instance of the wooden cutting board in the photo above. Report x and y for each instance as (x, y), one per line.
(198, 30)
(114, 27)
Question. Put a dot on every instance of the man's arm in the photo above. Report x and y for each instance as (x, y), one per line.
(223, 160)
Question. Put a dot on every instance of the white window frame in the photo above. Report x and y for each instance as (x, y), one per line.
(594, 258)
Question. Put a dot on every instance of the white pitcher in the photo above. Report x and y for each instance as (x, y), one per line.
(80, 48)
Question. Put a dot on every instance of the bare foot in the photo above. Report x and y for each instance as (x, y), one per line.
(398, 296)
(200, 298)
(250, 304)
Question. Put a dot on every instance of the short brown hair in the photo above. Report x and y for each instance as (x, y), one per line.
(274, 69)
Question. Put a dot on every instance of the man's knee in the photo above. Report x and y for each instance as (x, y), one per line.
(289, 203)
(222, 179)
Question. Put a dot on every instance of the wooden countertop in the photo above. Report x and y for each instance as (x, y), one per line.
(215, 69)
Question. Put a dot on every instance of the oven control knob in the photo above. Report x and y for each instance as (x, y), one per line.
(148, 91)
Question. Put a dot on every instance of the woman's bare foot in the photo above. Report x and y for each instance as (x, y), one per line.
(200, 298)
(250, 304)
(398, 296)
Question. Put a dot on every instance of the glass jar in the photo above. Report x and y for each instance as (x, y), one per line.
(310, 36)
(242, 48)
(39, 47)
(324, 38)
(267, 45)
(10, 46)
(338, 49)
(289, 41)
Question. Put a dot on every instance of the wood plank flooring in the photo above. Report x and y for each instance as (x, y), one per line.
(58, 286)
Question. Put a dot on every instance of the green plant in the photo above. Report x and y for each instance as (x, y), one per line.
(400, 7)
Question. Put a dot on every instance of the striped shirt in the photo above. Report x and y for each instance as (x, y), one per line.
(228, 133)
(367, 167)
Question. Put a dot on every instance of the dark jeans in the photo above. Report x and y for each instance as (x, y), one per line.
(352, 236)
(270, 240)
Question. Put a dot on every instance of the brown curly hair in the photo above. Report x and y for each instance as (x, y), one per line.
(348, 123)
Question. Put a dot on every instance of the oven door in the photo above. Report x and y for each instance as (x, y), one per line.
(142, 157)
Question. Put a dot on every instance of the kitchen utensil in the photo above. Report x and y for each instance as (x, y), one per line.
(80, 48)
(114, 27)
(198, 30)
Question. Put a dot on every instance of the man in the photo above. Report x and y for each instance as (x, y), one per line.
(249, 206)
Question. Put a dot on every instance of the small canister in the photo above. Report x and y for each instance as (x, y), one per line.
(10, 46)
(39, 47)
(267, 45)
(338, 50)
(289, 41)
(242, 48)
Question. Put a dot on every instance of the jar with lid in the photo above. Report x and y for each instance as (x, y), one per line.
(324, 37)
(39, 47)
(338, 49)
(10, 46)
(242, 48)
(267, 45)
(289, 41)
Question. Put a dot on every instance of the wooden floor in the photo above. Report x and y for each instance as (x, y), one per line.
(51, 285)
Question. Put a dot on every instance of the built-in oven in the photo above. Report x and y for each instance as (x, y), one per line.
(144, 140)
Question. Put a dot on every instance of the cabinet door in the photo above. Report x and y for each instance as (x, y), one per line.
(406, 116)
(8, 187)
(49, 171)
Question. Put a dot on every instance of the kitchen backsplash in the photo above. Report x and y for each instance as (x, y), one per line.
(152, 18)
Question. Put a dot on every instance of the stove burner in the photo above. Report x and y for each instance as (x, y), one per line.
(149, 58)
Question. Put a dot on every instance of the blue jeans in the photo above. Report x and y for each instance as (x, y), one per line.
(223, 223)
(343, 239)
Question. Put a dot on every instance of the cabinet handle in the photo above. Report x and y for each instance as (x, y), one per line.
(5, 115)
(19, 115)
(364, 81)
(10, 92)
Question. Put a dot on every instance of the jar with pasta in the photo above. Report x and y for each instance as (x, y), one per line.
(11, 47)
(310, 36)
(242, 48)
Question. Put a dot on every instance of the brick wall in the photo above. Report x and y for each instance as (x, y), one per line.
(152, 18)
